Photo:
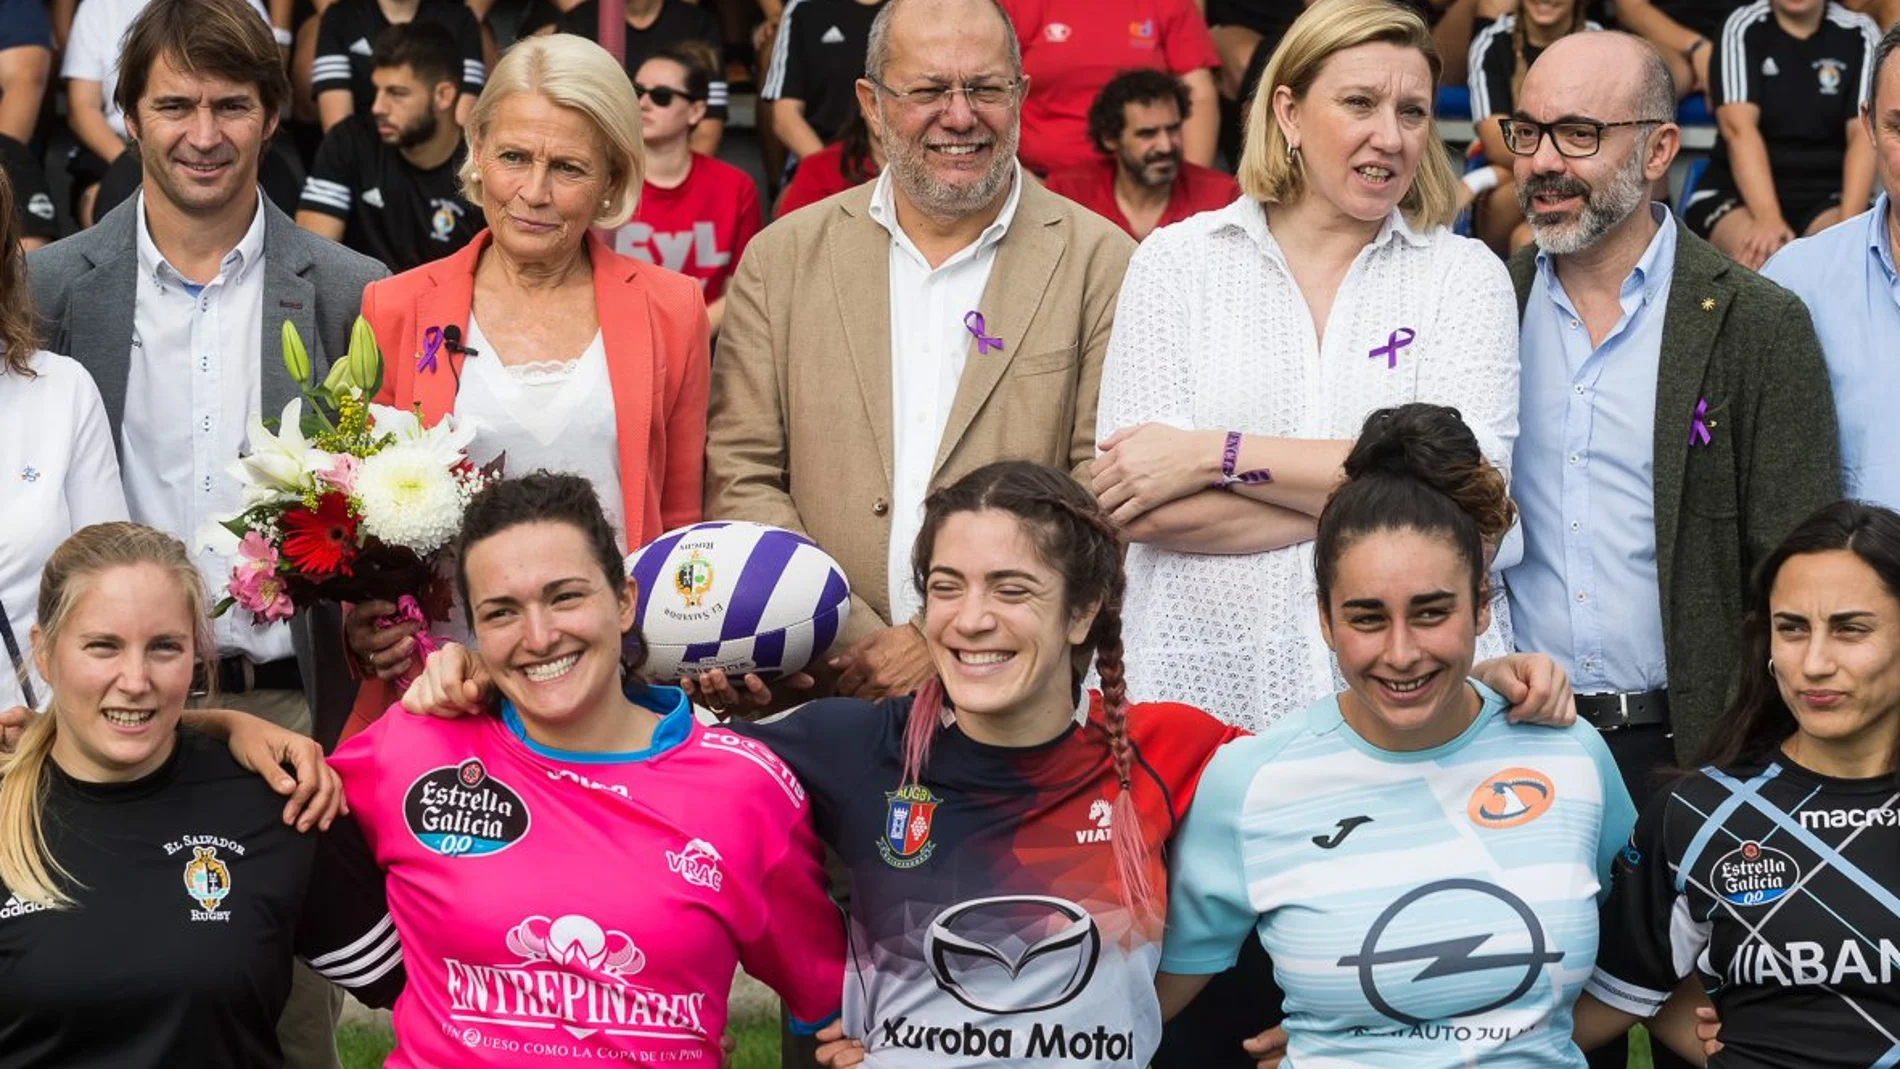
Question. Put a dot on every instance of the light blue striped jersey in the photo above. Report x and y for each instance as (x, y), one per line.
(1424, 909)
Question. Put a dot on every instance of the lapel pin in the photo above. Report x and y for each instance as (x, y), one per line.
(29, 474)
(973, 322)
(1708, 304)
(1394, 341)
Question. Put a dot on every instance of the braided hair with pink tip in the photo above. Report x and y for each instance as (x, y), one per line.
(1075, 538)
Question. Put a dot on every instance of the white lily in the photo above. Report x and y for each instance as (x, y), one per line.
(446, 441)
(282, 465)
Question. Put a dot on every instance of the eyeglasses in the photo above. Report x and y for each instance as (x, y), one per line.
(662, 95)
(988, 96)
(1573, 138)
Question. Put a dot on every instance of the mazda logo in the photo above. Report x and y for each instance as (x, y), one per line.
(992, 955)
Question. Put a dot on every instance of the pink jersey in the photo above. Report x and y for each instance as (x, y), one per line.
(558, 906)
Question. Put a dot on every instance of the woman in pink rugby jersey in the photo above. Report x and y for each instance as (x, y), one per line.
(578, 877)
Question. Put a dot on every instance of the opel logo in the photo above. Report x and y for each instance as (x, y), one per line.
(1456, 956)
(985, 953)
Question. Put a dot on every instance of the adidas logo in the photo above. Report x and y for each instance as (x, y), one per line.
(19, 907)
(360, 46)
(833, 36)
(373, 197)
(1768, 68)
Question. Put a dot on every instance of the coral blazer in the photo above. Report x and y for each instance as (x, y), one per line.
(653, 325)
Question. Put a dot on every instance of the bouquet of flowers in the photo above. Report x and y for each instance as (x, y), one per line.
(346, 501)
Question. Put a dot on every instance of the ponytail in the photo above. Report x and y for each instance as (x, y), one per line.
(27, 867)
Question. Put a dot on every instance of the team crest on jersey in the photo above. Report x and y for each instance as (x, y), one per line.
(442, 223)
(462, 811)
(1754, 875)
(1829, 73)
(208, 882)
(908, 811)
(1511, 797)
(693, 579)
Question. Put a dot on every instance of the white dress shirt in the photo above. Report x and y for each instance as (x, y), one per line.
(57, 474)
(929, 345)
(1212, 333)
(196, 379)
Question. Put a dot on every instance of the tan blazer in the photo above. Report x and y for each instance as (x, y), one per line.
(799, 434)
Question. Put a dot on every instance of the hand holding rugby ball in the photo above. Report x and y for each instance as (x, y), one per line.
(743, 597)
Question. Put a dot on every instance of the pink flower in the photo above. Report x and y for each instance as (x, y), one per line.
(255, 584)
(341, 473)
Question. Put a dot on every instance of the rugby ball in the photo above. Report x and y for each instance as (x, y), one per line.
(745, 597)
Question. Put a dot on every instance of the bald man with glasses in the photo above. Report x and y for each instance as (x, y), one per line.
(1675, 419)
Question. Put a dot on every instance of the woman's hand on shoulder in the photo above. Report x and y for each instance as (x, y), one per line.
(454, 683)
(315, 791)
(836, 1050)
(1537, 689)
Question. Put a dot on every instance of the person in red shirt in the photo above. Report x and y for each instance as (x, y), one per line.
(852, 160)
(696, 213)
(1071, 48)
(1143, 183)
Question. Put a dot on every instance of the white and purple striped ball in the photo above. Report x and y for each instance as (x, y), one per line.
(740, 596)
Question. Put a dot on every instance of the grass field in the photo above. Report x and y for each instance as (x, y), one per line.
(365, 1046)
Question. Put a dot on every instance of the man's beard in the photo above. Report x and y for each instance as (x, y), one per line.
(418, 132)
(1603, 210)
(1153, 171)
(910, 169)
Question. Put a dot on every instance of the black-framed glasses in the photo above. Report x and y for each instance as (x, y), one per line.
(985, 96)
(1574, 138)
(662, 95)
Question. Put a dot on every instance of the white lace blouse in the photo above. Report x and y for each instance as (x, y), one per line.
(1213, 333)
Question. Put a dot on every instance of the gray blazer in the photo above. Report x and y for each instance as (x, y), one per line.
(85, 288)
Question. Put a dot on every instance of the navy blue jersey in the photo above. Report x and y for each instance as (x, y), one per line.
(1776, 886)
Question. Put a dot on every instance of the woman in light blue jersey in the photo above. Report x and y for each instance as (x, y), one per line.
(1424, 874)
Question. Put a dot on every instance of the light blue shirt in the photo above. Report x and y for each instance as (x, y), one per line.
(1586, 592)
(1436, 907)
(1846, 276)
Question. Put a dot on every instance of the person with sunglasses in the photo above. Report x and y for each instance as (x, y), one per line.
(696, 213)
(1675, 419)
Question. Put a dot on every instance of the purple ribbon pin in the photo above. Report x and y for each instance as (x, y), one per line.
(1394, 341)
(1699, 426)
(973, 321)
(431, 344)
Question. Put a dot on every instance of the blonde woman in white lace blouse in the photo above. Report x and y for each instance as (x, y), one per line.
(1251, 342)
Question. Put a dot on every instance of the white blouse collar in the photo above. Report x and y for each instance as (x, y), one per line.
(1250, 218)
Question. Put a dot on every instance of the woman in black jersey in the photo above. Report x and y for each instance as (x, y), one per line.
(151, 899)
(1771, 875)
(1786, 81)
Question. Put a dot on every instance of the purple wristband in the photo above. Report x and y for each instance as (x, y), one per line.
(1230, 456)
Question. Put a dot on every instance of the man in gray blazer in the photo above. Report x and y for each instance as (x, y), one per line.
(175, 302)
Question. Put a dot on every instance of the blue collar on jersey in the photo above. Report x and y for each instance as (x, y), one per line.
(1324, 716)
(676, 722)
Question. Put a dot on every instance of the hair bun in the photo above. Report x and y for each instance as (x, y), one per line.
(1433, 445)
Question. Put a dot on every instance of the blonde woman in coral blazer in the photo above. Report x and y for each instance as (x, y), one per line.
(564, 355)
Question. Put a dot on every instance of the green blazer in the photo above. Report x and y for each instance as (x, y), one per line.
(1748, 348)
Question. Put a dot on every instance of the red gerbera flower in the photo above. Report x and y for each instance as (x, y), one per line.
(321, 542)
